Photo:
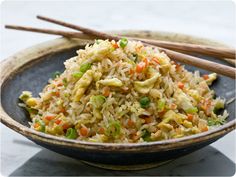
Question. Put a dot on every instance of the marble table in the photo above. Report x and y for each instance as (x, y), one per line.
(215, 20)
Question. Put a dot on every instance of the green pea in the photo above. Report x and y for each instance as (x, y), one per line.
(144, 102)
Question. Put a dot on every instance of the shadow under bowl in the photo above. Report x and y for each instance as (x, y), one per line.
(30, 70)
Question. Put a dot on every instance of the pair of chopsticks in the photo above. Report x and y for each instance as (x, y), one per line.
(165, 46)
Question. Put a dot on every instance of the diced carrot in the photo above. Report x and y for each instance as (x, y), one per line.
(49, 117)
(130, 123)
(204, 129)
(138, 48)
(58, 121)
(162, 112)
(190, 117)
(65, 126)
(106, 91)
(155, 60)
(115, 45)
(63, 110)
(140, 67)
(145, 60)
(60, 84)
(83, 131)
(205, 77)
(180, 85)
(57, 93)
(101, 130)
(131, 71)
(148, 120)
(36, 125)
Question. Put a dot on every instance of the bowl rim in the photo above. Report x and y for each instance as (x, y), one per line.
(37, 51)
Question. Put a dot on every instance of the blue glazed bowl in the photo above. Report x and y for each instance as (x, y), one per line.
(30, 69)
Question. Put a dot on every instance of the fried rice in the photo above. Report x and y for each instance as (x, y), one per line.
(124, 92)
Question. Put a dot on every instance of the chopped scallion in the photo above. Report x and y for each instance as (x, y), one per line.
(71, 133)
(123, 42)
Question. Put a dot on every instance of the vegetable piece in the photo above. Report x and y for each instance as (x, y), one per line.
(101, 130)
(83, 131)
(97, 101)
(144, 102)
(190, 117)
(49, 117)
(135, 57)
(211, 78)
(123, 42)
(71, 133)
(115, 45)
(184, 102)
(65, 126)
(191, 110)
(106, 91)
(84, 67)
(205, 76)
(39, 125)
(130, 123)
(155, 60)
(131, 71)
(180, 85)
(146, 135)
(161, 104)
(215, 122)
(56, 74)
(113, 129)
(145, 86)
(65, 82)
(140, 67)
(145, 60)
(77, 74)
(58, 121)
(219, 104)
(204, 129)
(111, 82)
(25, 96)
(32, 111)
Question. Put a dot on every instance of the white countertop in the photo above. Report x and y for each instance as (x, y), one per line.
(214, 20)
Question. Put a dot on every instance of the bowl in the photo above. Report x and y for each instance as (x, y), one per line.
(30, 70)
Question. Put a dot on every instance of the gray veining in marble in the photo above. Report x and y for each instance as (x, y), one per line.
(211, 19)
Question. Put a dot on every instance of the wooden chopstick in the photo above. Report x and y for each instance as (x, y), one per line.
(219, 52)
(202, 49)
(180, 57)
(187, 59)
(50, 31)
(80, 28)
(211, 51)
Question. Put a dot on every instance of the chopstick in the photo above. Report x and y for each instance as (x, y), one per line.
(50, 31)
(219, 52)
(180, 57)
(202, 49)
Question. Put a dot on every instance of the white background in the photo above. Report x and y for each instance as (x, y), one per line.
(210, 19)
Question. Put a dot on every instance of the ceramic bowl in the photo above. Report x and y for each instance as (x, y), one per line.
(30, 70)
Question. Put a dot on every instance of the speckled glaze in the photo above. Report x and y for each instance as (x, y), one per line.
(30, 70)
